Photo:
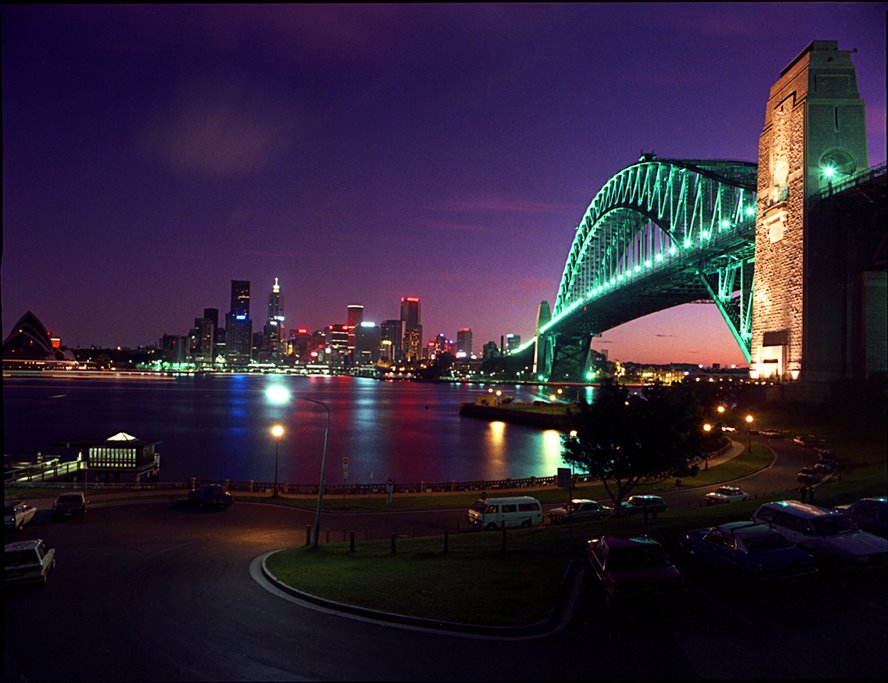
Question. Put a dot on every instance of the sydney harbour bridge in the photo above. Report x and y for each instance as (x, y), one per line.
(665, 232)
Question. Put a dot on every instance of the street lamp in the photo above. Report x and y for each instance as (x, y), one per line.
(277, 432)
(317, 529)
(749, 420)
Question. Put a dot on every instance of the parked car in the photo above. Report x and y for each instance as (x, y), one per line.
(579, 510)
(210, 496)
(69, 505)
(771, 434)
(808, 475)
(643, 503)
(631, 567)
(27, 561)
(17, 514)
(826, 466)
(870, 514)
(725, 494)
(749, 550)
(828, 535)
(806, 441)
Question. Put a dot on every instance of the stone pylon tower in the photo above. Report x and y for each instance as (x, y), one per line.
(814, 135)
(542, 357)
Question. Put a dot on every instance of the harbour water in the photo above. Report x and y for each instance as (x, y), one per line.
(219, 426)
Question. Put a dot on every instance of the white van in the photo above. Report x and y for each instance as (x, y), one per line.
(498, 513)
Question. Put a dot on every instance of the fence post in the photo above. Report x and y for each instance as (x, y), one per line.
(445, 540)
(351, 542)
(308, 534)
(327, 538)
(393, 543)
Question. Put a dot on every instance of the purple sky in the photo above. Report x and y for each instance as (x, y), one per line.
(151, 154)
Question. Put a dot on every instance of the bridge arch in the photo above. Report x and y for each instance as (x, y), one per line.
(657, 234)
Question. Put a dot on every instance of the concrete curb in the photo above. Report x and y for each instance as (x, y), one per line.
(558, 617)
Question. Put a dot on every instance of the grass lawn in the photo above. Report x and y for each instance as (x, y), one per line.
(479, 582)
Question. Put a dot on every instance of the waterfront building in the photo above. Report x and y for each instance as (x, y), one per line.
(489, 350)
(120, 457)
(238, 326)
(274, 325)
(174, 349)
(337, 345)
(299, 345)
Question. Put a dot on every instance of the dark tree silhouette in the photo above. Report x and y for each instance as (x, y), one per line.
(623, 439)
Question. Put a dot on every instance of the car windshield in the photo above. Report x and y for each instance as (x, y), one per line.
(829, 525)
(764, 544)
(636, 557)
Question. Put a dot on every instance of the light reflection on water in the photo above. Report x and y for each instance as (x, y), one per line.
(218, 426)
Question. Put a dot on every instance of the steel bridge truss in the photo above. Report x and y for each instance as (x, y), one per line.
(658, 234)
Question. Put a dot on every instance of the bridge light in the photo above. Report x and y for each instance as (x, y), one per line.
(750, 211)
(704, 234)
(658, 257)
(726, 223)
(648, 264)
(672, 251)
(829, 171)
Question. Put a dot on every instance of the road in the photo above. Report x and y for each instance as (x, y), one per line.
(150, 591)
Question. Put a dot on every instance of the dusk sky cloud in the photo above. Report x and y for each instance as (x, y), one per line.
(360, 153)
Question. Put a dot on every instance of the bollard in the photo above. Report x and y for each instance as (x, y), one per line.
(445, 540)
(308, 534)
(393, 543)
(351, 542)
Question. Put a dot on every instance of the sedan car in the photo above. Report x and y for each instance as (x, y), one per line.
(870, 514)
(725, 494)
(17, 514)
(751, 551)
(27, 562)
(635, 566)
(69, 505)
(210, 496)
(579, 510)
(635, 504)
(808, 475)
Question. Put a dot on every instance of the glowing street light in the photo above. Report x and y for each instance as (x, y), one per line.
(749, 420)
(277, 432)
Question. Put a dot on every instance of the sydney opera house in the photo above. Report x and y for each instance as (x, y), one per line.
(30, 347)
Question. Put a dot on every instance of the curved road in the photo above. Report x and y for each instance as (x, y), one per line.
(150, 591)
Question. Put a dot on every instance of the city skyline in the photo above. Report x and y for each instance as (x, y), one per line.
(361, 154)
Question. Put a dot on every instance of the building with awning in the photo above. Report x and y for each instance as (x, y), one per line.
(120, 457)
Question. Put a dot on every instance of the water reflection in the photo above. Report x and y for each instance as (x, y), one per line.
(218, 426)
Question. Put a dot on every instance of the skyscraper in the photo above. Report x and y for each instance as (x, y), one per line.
(238, 326)
(411, 345)
(355, 318)
(274, 322)
(392, 336)
(463, 342)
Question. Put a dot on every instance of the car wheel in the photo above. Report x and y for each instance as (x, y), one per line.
(491, 527)
(525, 524)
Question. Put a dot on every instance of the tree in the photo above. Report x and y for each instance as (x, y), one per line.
(623, 439)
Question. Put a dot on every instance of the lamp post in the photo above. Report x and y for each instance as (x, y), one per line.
(317, 526)
(749, 420)
(276, 431)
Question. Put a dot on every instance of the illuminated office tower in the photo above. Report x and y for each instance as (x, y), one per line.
(238, 326)
(411, 346)
(513, 341)
(391, 337)
(368, 339)
(274, 323)
(354, 319)
(463, 342)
